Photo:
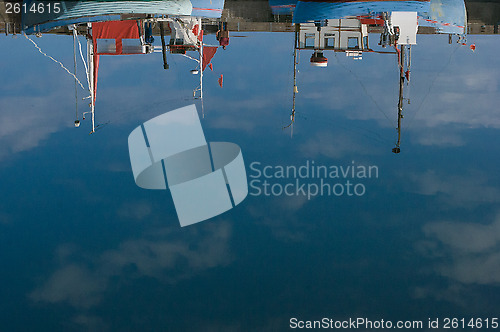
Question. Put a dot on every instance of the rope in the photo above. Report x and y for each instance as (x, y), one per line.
(365, 90)
(83, 60)
(370, 134)
(56, 61)
(410, 121)
(74, 61)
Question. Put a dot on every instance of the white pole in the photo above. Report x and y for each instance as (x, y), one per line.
(201, 62)
(201, 71)
(90, 59)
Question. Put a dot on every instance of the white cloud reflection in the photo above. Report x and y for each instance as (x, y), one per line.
(455, 190)
(333, 145)
(72, 284)
(40, 118)
(466, 255)
(470, 252)
(465, 237)
(135, 210)
(163, 255)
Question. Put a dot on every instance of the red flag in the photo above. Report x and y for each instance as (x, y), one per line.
(220, 80)
(208, 54)
(210, 66)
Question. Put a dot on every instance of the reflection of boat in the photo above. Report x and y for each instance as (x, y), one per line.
(306, 11)
(445, 16)
(187, 35)
(124, 38)
(73, 12)
(126, 27)
(344, 26)
(110, 38)
(350, 35)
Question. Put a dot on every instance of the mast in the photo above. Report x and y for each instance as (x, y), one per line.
(404, 73)
(201, 70)
(90, 59)
(295, 88)
(77, 121)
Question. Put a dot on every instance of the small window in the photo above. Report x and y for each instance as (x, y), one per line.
(131, 46)
(309, 40)
(106, 46)
(330, 42)
(353, 43)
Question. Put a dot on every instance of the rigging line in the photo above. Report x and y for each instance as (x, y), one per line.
(100, 126)
(83, 59)
(362, 131)
(151, 106)
(327, 119)
(289, 78)
(365, 90)
(414, 114)
(56, 61)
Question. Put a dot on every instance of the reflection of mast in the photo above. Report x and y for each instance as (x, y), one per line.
(402, 28)
(295, 88)
(400, 101)
(404, 73)
(112, 38)
(75, 36)
(92, 80)
(186, 34)
(201, 77)
(201, 71)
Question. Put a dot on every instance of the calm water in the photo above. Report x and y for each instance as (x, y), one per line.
(83, 248)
